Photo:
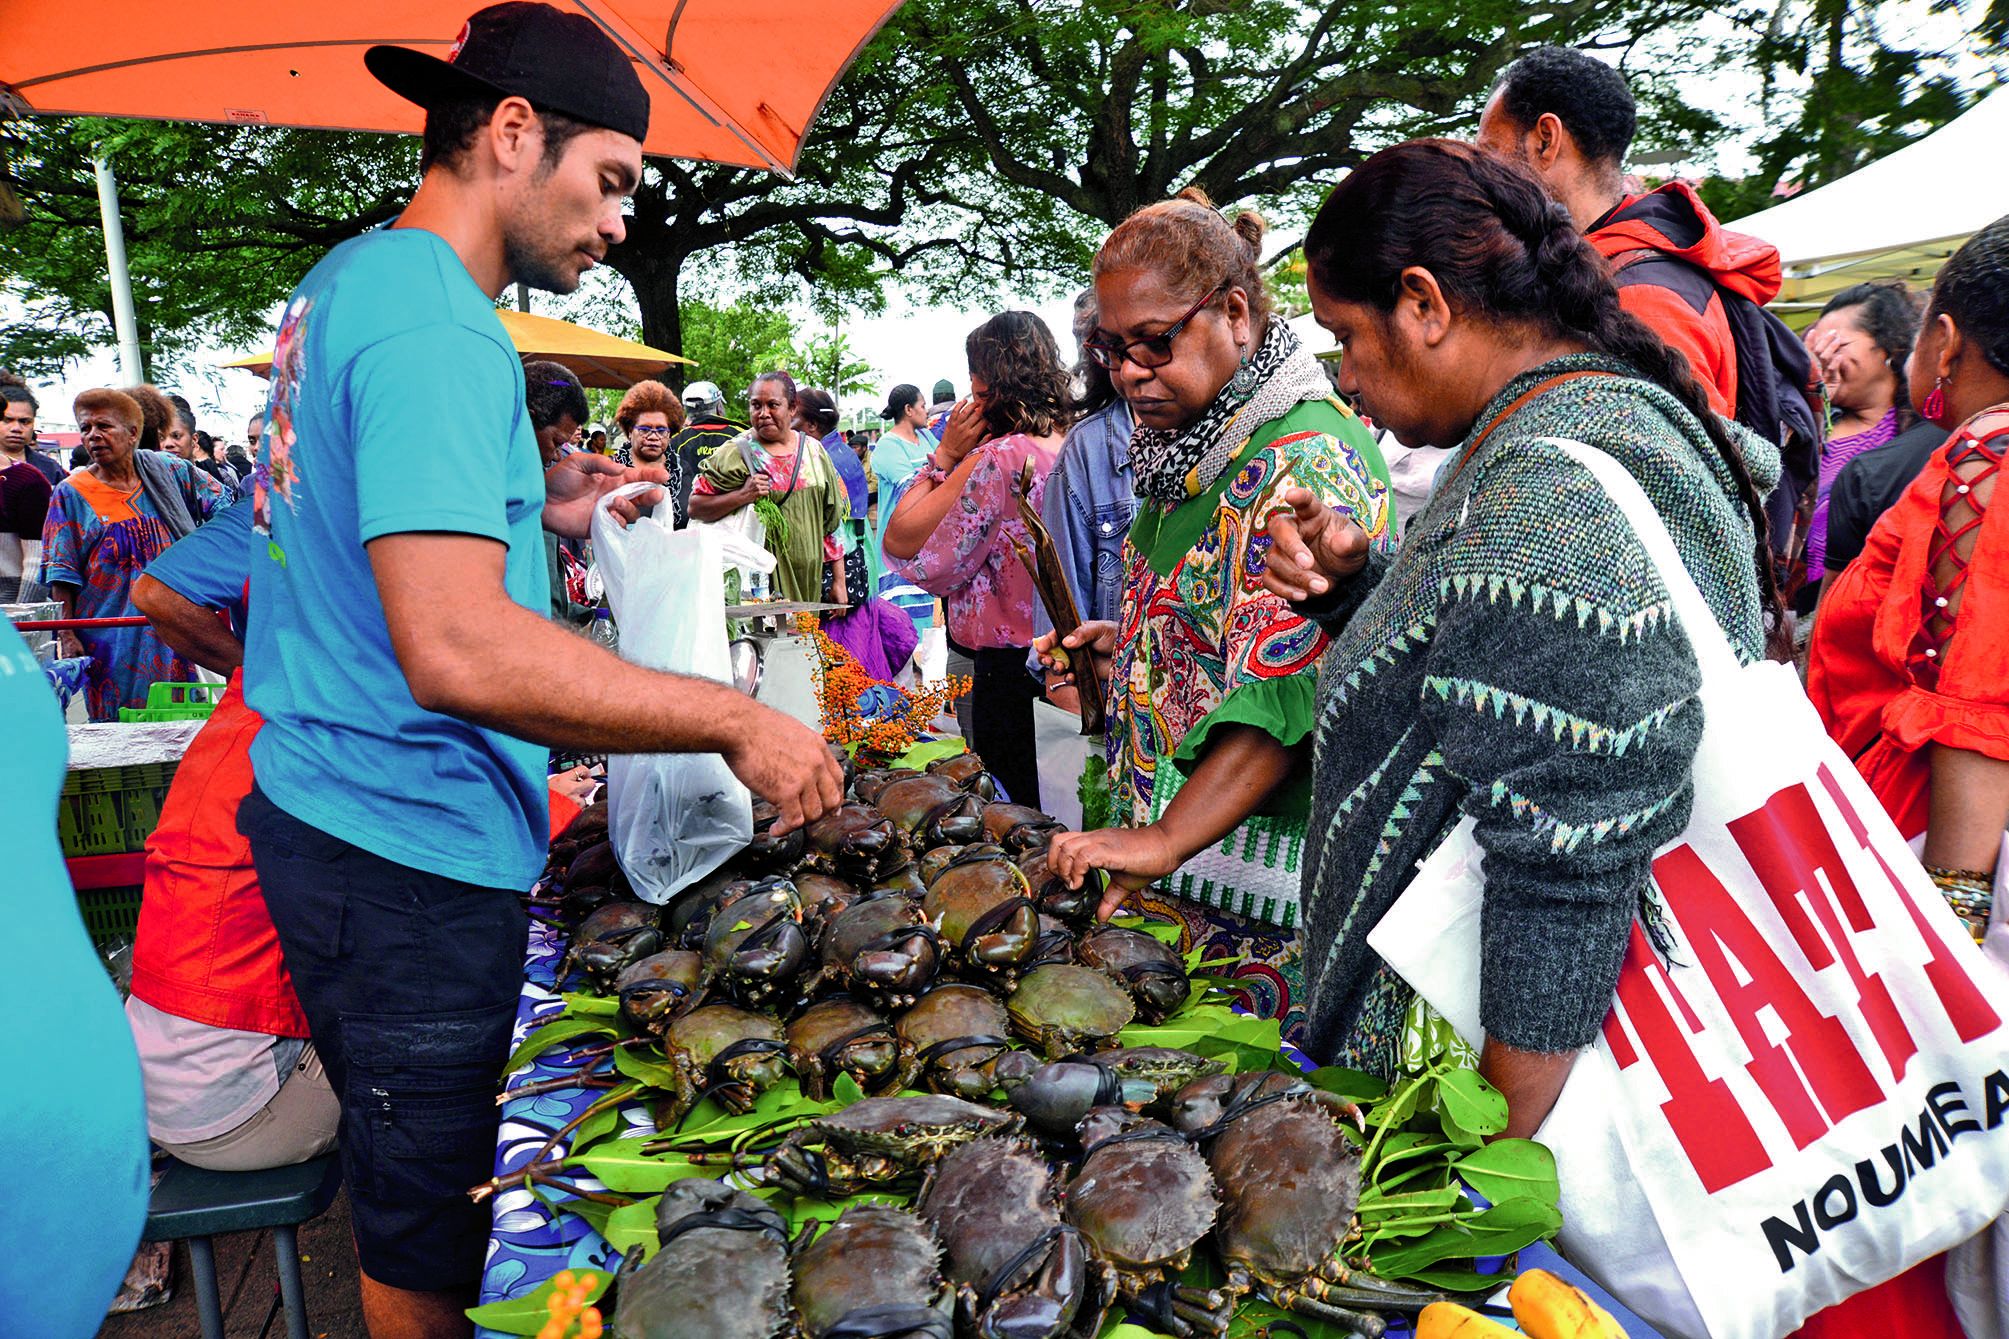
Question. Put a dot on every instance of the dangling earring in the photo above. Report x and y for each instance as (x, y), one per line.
(1935, 401)
(1243, 383)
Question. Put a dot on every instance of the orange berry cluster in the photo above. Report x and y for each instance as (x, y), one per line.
(841, 681)
(567, 1304)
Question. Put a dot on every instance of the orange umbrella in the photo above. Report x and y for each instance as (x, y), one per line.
(728, 81)
(605, 361)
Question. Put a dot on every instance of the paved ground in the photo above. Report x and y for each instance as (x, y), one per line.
(249, 1285)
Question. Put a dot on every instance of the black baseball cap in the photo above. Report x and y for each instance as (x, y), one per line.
(897, 402)
(560, 62)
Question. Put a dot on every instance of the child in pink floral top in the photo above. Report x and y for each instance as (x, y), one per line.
(953, 530)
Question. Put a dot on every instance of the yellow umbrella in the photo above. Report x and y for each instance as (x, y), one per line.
(598, 359)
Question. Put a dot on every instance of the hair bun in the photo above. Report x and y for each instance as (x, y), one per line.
(1195, 195)
(1250, 227)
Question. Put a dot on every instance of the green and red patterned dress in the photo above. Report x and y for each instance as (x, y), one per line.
(1203, 645)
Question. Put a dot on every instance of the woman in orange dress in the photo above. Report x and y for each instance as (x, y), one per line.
(1910, 659)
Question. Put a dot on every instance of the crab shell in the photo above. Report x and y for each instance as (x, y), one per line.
(756, 943)
(1154, 975)
(655, 989)
(1141, 1203)
(964, 771)
(916, 1130)
(908, 803)
(695, 1044)
(841, 1036)
(687, 917)
(767, 853)
(727, 1277)
(981, 909)
(611, 938)
(949, 1038)
(823, 897)
(1290, 1182)
(853, 839)
(868, 786)
(990, 1202)
(872, 1259)
(1063, 1008)
(868, 949)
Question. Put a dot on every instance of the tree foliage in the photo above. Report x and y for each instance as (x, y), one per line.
(735, 343)
(829, 361)
(220, 224)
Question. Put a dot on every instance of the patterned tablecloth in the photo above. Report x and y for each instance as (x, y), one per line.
(529, 1243)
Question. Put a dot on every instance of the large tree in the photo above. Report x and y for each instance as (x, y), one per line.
(220, 223)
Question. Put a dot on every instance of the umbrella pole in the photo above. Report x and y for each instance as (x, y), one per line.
(121, 281)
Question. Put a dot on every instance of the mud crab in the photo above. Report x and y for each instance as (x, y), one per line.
(881, 950)
(1154, 974)
(841, 1036)
(655, 989)
(1144, 1197)
(873, 1272)
(853, 842)
(1063, 1008)
(878, 1141)
(1289, 1183)
(768, 853)
(1018, 827)
(1054, 1097)
(720, 1269)
(609, 940)
(722, 1052)
(986, 919)
(755, 946)
(1020, 1271)
(950, 1039)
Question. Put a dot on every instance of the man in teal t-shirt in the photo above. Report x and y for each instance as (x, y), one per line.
(410, 686)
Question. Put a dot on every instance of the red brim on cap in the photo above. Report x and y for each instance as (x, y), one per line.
(426, 80)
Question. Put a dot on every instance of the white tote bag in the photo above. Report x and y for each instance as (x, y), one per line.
(672, 817)
(1811, 1093)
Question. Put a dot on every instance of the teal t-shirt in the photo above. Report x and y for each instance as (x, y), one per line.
(396, 406)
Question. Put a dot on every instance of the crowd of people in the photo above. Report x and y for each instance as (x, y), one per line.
(331, 945)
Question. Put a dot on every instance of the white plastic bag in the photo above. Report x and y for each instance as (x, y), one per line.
(672, 817)
(1808, 1095)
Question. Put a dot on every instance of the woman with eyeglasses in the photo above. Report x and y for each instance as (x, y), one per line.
(1212, 678)
(649, 416)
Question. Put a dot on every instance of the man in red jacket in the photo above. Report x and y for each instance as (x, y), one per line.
(1569, 117)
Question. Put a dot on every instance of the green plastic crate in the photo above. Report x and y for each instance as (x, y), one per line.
(175, 702)
(112, 810)
(110, 914)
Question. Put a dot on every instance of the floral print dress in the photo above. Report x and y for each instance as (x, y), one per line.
(99, 539)
(1202, 645)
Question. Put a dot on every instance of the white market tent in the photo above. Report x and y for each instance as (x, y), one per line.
(1899, 217)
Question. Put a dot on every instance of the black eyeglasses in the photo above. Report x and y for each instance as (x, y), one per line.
(1150, 351)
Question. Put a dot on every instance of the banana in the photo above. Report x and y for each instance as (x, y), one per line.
(1448, 1320)
(1548, 1308)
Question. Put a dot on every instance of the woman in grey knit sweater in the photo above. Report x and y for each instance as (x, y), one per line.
(1517, 661)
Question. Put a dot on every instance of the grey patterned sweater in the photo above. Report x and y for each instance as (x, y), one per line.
(1517, 661)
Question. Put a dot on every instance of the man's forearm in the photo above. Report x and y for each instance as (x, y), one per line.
(190, 630)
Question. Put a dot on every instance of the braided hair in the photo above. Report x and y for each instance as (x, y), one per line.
(1504, 252)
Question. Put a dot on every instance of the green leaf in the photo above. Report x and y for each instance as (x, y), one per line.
(1165, 932)
(1411, 1202)
(595, 1213)
(527, 1314)
(1472, 1108)
(1351, 1084)
(1510, 1169)
(592, 1006)
(1495, 1231)
(621, 1166)
(596, 1127)
(542, 1039)
(633, 1225)
(638, 1066)
(846, 1091)
(1455, 1280)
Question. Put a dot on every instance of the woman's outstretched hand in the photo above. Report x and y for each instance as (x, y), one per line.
(1134, 858)
(1312, 549)
(1061, 656)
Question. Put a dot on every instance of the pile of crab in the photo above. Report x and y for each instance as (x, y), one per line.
(912, 951)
